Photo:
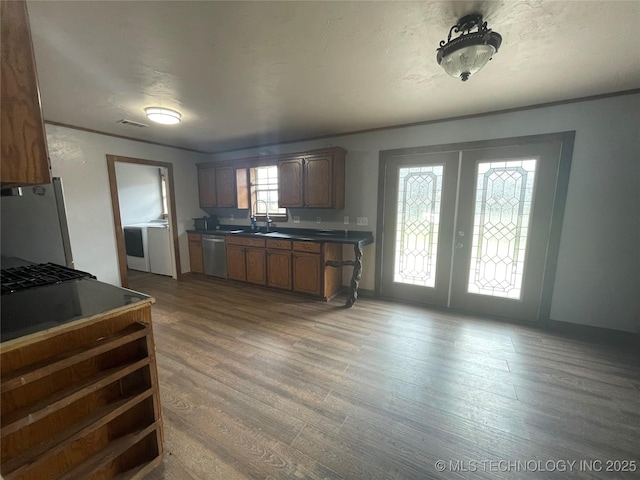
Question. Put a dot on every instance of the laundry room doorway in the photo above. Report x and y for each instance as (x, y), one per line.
(144, 216)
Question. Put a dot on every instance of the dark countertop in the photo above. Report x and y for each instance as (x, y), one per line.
(26, 312)
(352, 237)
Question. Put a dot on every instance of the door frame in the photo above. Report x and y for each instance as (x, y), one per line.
(117, 219)
(557, 217)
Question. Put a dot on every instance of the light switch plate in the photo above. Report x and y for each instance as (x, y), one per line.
(318, 220)
(346, 220)
(363, 221)
(296, 219)
(232, 217)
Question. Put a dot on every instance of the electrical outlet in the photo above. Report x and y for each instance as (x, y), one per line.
(363, 221)
(346, 220)
(318, 220)
(232, 217)
(296, 219)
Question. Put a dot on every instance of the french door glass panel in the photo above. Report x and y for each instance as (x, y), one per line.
(504, 196)
(417, 224)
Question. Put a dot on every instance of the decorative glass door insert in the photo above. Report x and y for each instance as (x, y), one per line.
(504, 196)
(417, 224)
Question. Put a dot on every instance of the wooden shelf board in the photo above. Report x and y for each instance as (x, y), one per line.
(31, 373)
(16, 467)
(112, 451)
(23, 417)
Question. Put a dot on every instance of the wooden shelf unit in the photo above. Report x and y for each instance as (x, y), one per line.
(83, 402)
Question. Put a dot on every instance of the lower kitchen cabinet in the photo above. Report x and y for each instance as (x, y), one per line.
(196, 260)
(246, 260)
(307, 273)
(279, 264)
(297, 266)
(236, 269)
(255, 260)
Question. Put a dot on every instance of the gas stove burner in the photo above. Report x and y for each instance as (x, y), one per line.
(21, 278)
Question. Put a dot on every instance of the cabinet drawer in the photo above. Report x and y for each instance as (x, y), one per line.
(307, 247)
(245, 241)
(194, 237)
(279, 244)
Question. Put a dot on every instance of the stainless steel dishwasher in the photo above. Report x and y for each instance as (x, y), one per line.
(215, 255)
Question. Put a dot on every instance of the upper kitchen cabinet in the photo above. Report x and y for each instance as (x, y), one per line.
(223, 186)
(312, 180)
(25, 159)
(207, 186)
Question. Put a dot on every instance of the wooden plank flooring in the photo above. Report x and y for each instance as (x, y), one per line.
(258, 384)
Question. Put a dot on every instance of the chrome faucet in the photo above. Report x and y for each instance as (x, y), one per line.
(266, 209)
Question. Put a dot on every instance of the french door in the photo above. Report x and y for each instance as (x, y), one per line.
(470, 229)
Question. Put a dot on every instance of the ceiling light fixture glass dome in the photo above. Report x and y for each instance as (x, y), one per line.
(467, 54)
(163, 115)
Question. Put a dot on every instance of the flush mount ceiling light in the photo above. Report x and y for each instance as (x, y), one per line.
(467, 54)
(163, 115)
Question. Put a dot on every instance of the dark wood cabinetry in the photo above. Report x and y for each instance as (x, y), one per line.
(290, 178)
(25, 159)
(196, 260)
(236, 269)
(256, 261)
(207, 187)
(279, 264)
(246, 260)
(306, 273)
(314, 180)
(222, 186)
(226, 187)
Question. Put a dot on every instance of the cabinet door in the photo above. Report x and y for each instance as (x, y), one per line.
(196, 260)
(279, 269)
(207, 187)
(24, 146)
(235, 263)
(226, 187)
(256, 266)
(318, 182)
(306, 273)
(290, 183)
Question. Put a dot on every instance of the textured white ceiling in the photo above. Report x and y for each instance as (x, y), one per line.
(254, 73)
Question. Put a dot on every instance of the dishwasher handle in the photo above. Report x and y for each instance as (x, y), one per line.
(213, 239)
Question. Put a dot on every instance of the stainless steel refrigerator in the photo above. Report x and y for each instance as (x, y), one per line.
(34, 226)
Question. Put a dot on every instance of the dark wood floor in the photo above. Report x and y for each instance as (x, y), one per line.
(263, 385)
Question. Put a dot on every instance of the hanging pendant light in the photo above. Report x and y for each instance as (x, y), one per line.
(467, 54)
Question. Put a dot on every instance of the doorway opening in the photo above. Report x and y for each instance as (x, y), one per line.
(166, 211)
(474, 227)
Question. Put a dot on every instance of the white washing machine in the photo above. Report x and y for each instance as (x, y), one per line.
(148, 247)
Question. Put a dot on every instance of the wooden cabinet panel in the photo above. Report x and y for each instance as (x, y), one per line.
(279, 269)
(207, 187)
(306, 273)
(25, 159)
(290, 182)
(226, 195)
(255, 260)
(313, 180)
(196, 260)
(318, 182)
(279, 244)
(236, 269)
(313, 247)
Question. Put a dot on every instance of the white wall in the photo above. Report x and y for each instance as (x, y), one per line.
(80, 159)
(139, 193)
(598, 274)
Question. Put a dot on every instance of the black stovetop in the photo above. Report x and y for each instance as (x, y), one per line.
(21, 278)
